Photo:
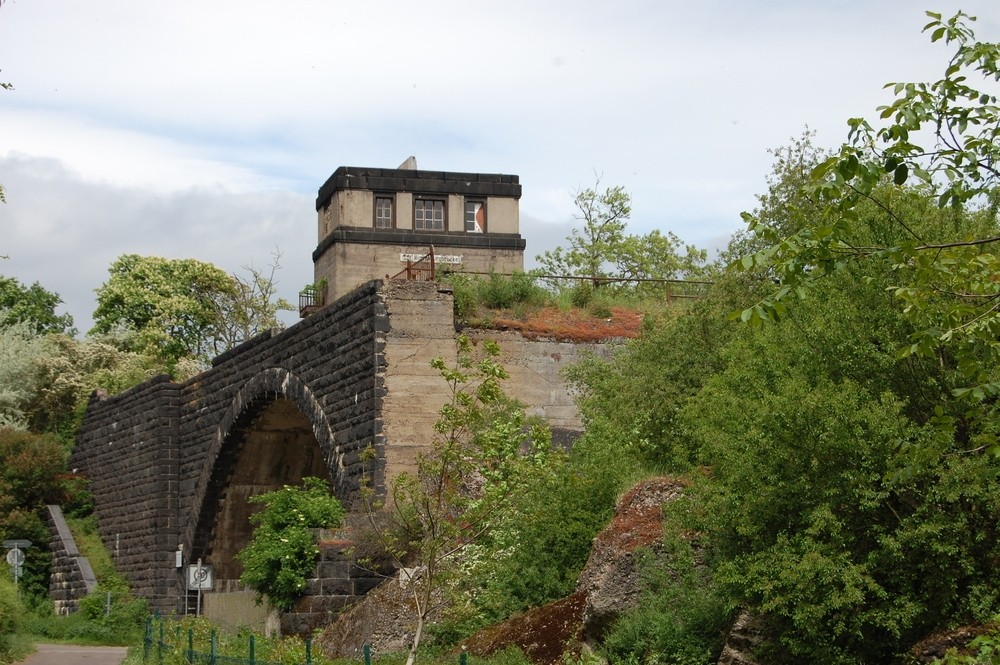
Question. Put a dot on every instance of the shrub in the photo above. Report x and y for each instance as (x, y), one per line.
(581, 294)
(681, 617)
(464, 293)
(502, 292)
(10, 610)
(283, 550)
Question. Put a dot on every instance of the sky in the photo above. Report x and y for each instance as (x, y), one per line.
(204, 128)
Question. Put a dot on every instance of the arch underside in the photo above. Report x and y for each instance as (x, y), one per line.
(272, 444)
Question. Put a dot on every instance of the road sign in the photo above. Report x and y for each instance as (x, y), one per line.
(199, 577)
(18, 544)
(15, 557)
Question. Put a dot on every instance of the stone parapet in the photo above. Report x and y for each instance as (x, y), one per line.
(72, 577)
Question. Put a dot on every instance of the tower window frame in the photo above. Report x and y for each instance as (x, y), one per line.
(475, 216)
(430, 214)
(384, 214)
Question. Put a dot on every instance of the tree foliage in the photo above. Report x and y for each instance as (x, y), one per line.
(283, 552)
(464, 484)
(800, 437)
(938, 147)
(176, 309)
(21, 349)
(70, 370)
(600, 248)
(20, 303)
(32, 475)
(250, 307)
(168, 305)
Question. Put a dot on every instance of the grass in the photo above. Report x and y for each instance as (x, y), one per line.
(94, 623)
(576, 313)
(286, 650)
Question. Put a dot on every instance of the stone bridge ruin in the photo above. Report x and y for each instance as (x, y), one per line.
(171, 465)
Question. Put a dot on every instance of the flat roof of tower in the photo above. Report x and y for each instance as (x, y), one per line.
(418, 182)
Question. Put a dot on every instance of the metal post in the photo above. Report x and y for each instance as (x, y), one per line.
(367, 649)
(190, 645)
(198, 578)
(309, 651)
(17, 572)
(252, 661)
(464, 658)
(214, 649)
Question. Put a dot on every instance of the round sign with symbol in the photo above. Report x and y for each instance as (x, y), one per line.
(15, 557)
(199, 577)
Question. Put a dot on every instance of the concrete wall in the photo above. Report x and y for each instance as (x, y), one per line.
(346, 265)
(421, 328)
(535, 368)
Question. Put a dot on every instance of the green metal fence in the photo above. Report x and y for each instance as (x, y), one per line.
(160, 644)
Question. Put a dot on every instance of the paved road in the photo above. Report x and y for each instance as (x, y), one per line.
(69, 654)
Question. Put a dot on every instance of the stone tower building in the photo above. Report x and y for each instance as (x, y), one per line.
(373, 221)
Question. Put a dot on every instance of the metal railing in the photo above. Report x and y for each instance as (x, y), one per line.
(158, 644)
(415, 270)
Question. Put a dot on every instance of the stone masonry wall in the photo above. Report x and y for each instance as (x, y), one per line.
(358, 370)
(72, 577)
(127, 447)
(150, 452)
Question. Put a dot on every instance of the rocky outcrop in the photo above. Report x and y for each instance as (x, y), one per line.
(384, 619)
(956, 640)
(608, 586)
(746, 634)
(544, 634)
(610, 580)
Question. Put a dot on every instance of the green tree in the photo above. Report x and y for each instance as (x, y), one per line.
(604, 216)
(32, 475)
(176, 309)
(168, 305)
(810, 521)
(464, 483)
(791, 434)
(32, 303)
(70, 370)
(600, 248)
(251, 306)
(938, 147)
(283, 551)
(21, 348)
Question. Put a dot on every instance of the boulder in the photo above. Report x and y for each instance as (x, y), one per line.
(746, 634)
(544, 634)
(610, 580)
(384, 619)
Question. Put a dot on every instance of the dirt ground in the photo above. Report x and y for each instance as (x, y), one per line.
(70, 654)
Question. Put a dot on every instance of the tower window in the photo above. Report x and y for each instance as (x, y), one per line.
(428, 215)
(383, 212)
(475, 217)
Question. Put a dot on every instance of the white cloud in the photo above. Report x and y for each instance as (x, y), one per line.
(203, 129)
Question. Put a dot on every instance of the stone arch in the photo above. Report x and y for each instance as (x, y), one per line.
(273, 395)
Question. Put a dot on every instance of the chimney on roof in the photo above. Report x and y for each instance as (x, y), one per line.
(409, 165)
